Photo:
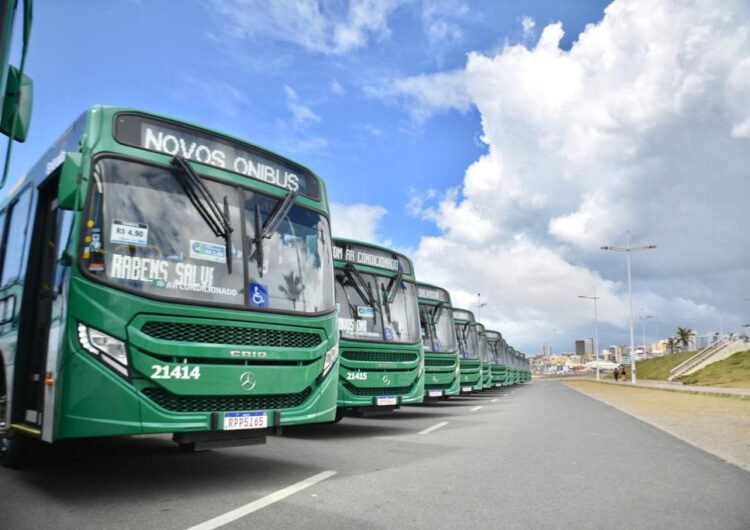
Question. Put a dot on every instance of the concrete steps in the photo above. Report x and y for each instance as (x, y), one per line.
(718, 351)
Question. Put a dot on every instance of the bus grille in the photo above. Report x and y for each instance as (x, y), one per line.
(175, 403)
(380, 391)
(243, 336)
(439, 362)
(444, 386)
(383, 357)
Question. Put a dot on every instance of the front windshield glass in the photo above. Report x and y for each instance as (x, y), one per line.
(367, 313)
(438, 336)
(142, 233)
(484, 350)
(468, 340)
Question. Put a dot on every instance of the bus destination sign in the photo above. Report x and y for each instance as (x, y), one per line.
(459, 314)
(431, 293)
(370, 257)
(171, 139)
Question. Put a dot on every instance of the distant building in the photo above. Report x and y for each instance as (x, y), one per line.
(546, 350)
(585, 348)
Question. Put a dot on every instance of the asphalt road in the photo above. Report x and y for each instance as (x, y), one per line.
(538, 456)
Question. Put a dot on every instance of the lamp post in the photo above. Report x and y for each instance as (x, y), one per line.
(628, 250)
(480, 305)
(596, 329)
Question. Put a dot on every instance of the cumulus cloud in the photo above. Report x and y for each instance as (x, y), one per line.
(643, 125)
(324, 26)
(356, 221)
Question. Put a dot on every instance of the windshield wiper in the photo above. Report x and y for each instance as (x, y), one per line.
(265, 230)
(205, 203)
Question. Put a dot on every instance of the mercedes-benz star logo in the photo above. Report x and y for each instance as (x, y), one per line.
(386, 380)
(247, 380)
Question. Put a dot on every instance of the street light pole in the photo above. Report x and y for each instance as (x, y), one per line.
(628, 250)
(480, 305)
(596, 329)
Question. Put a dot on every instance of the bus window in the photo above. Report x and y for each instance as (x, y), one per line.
(15, 255)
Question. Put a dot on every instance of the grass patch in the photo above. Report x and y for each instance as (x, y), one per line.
(658, 368)
(733, 371)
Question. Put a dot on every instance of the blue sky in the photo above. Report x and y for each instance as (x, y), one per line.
(170, 58)
(499, 143)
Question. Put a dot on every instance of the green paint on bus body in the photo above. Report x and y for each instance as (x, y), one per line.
(382, 362)
(191, 356)
(470, 362)
(442, 372)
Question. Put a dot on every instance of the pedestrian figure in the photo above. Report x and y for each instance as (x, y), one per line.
(624, 374)
(617, 374)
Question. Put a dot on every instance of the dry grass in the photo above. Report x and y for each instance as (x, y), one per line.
(733, 371)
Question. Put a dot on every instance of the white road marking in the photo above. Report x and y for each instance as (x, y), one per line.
(494, 400)
(435, 427)
(254, 506)
(475, 408)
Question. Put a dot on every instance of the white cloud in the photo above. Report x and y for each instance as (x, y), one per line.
(301, 114)
(337, 88)
(356, 221)
(438, 20)
(324, 26)
(528, 25)
(642, 125)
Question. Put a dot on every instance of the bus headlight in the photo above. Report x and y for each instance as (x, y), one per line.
(331, 356)
(110, 350)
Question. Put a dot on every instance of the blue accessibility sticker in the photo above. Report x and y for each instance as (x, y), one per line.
(258, 294)
(389, 335)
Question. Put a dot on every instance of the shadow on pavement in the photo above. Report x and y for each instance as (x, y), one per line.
(345, 429)
(107, 470)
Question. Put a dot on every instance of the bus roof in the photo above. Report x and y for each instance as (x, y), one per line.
(371, 255)
(463, 315)
(437, 295)
(101, 118)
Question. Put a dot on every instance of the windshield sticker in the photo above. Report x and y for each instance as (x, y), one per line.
(389, 334)
(436, 345)
(365, 311)
(258, 295)
(129, 233)
(167, 274)
(356, 328)
(208, 251)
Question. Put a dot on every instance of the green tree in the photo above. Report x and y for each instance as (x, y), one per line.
(671, 344)
(684, 335)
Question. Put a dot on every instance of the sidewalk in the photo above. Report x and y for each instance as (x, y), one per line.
(691, 389)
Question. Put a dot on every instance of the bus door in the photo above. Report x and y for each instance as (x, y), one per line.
(33, 379)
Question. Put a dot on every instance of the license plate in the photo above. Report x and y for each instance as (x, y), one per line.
(237, 421)
(498, 385)
(435, 393)
(467, 389)
(384, 401)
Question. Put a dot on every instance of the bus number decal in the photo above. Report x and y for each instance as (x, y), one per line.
(178, 372)
(358, 376)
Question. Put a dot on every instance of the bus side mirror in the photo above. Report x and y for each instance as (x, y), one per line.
(68, 192)
(16, 115)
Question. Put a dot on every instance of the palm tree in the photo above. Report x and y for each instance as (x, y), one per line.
(293, 289)
(671, 344)
(684, 335)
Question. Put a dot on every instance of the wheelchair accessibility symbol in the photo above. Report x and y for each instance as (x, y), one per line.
(258, 295)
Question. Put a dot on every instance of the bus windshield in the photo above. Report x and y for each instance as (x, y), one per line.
(484, 349)
(468, 340)
(438, 331)
(376, 308)
(143, 234)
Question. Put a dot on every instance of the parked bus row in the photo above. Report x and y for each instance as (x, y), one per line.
(159, 277)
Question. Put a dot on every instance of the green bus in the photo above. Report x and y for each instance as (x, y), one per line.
(496, 345)
(470, 362)
(159, 277)
(382, 361)
(439, 342)
(484, 354)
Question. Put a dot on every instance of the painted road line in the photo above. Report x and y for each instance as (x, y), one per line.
(494, 400)
(435, 427)
(254, 506)
(475, 408)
